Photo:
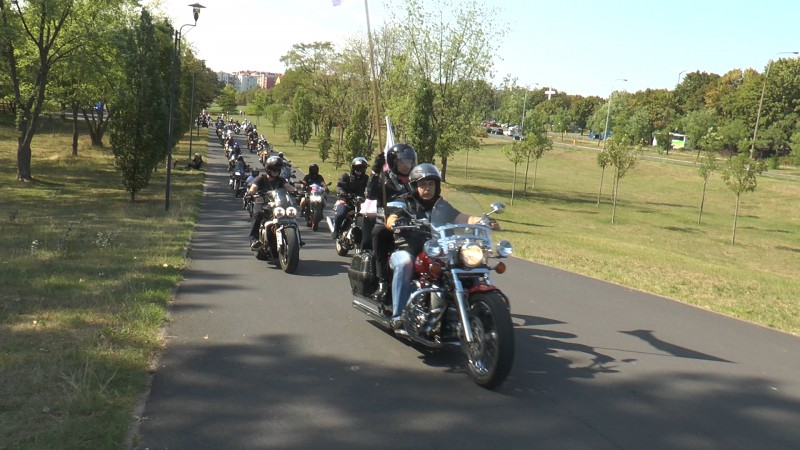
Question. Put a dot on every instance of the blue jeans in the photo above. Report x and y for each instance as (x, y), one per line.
(402, 265)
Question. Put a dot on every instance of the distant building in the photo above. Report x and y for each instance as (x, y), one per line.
(248, 79)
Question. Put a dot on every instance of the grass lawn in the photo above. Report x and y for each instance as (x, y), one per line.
(87, 275)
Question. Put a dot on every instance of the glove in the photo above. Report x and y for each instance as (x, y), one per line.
(377, 165)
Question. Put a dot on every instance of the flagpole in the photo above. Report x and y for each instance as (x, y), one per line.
(374, 80)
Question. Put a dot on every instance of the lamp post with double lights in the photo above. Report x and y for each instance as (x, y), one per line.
(761, 100)
(608, 114)
(176, 50)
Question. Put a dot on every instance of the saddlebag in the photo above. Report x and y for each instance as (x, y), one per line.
(362, 274)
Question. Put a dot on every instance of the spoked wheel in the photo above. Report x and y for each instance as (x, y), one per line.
(289, 255)
(490, 356)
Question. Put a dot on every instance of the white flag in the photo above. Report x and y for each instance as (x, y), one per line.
(389, 144)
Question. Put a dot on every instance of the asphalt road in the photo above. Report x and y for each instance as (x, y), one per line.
(260, 359)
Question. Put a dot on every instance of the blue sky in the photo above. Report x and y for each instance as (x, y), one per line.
(576, 46)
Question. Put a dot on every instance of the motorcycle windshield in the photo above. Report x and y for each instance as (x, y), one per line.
(443, 213)
(281, 197)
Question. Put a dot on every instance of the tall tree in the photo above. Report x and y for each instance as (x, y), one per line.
(227, 100)
(355, 135)
(708, 164)
(35, 37)
(300, 122)
(421, 133)
(138, 134)
(453, 48)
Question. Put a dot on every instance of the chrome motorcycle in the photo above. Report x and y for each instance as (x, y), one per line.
(454, 302)
(279, 235)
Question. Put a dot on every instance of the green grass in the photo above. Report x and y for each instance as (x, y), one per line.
(87, 275)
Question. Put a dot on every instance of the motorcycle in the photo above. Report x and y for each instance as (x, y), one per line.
(453, 302)
(350, 231)
(279, 234)
(314, 205)
(239, 183)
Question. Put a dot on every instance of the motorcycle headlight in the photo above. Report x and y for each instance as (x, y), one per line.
(316, 198)
(471, 255)
(504, 249)
(278, 212)
(433, 249)
(291, 211)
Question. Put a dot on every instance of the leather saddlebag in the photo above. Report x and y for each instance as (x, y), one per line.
(362, 274)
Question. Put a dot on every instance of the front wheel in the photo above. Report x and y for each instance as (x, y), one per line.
(491, 354)
(289, 255)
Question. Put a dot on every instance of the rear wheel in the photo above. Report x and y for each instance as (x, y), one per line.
(491, 354)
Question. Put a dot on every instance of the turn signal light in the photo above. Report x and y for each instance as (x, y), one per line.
(500, 267)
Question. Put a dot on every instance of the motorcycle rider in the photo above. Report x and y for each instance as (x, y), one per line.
(267, 181)
(312, 177)
(353, 183)
(252, 177)
(239, 166)
(426, 182)
(385, 187)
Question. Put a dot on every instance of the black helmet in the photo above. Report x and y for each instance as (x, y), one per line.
(236, 144)
(255, 173)
(426, 171)
(274, 164)
(280, 154)
(403, 154)
(359, 163)
(313, 169)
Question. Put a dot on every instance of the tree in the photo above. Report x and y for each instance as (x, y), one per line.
(300, 121)
(421, 133)
(138, 134)
(227, 100)
(603, 160)
(516, 154)
(275, 112)
(325, 142)
(534, 145)
(622, 157)
(708, 164)
(740, 174)
(453, 48)
(355, 135)
(36, 37)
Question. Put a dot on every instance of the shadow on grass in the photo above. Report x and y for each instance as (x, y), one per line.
(788, 249)
(682, 229)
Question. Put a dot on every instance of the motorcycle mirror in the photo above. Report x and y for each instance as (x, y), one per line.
(497, 207)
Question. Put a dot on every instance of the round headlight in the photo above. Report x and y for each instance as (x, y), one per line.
(278, 212)
(432, 248)
(471, 255)
(291, 211)
(504, 249)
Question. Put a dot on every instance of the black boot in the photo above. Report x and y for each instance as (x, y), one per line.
(380, 293)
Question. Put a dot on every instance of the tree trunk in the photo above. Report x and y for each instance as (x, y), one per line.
(614, 188)
(525, 185)
(702, 201)
(75, 130)
(535, 171)
(513, 185)
(735, 217)
(444, 169)
(599, 192)
(466, 165)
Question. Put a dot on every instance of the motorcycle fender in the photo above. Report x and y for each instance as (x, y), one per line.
(488, 288)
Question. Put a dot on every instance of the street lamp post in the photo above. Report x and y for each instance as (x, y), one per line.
(524, 106)
(192, 119)
(761, 100)
(679, 75)
(608, 114)
(176, 49)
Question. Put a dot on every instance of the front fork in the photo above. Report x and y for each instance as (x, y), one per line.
(463, 307)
